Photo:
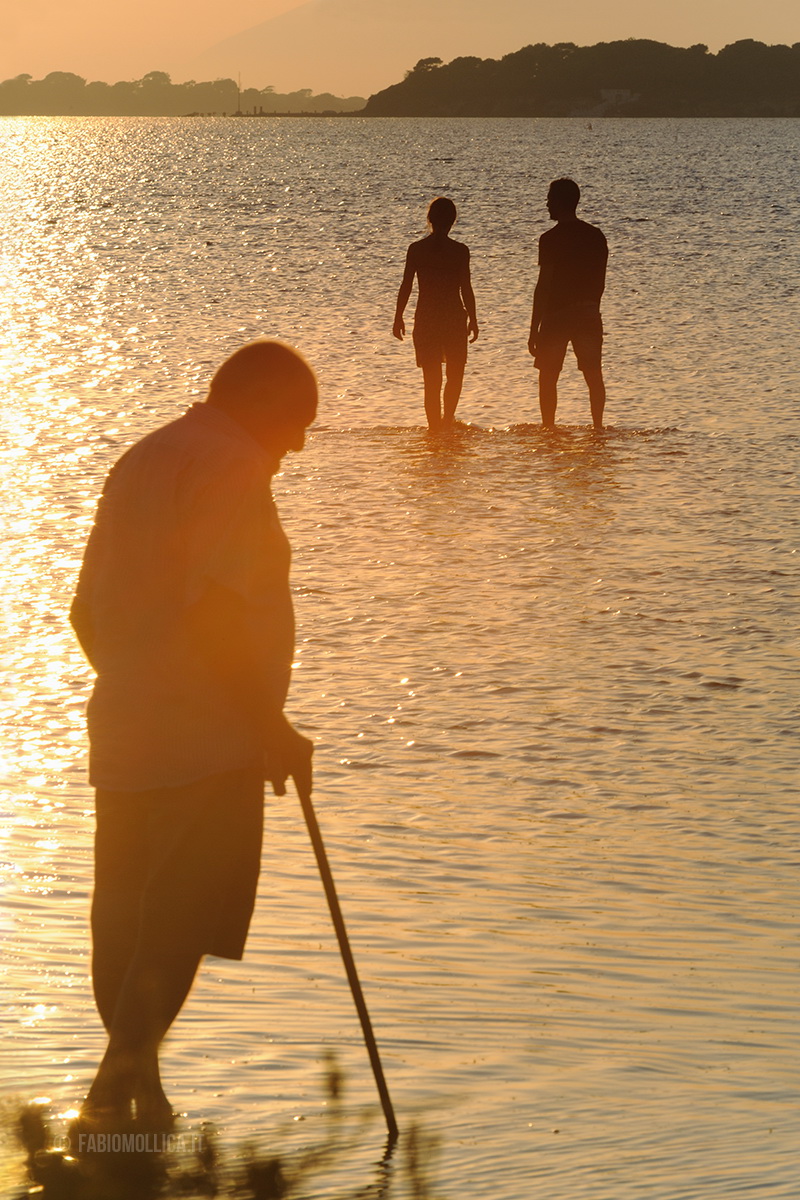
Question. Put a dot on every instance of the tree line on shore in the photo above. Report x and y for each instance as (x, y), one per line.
(155, 95)
(631, 78)
(626, 78)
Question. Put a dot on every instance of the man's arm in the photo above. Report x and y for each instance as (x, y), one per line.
(601, 268)
(468, 296)
(80, 618)
(221, 629)
(541, 299)
(399, 327)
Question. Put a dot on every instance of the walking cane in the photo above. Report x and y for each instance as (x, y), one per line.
(304, 793)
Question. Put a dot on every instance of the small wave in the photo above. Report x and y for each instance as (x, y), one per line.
(474, 754)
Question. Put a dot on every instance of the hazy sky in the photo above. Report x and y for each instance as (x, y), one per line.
(346, 46)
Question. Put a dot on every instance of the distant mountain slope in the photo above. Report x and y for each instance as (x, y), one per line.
(359, 46)
(347, 46)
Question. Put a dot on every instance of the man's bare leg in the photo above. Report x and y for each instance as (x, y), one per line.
(115, 932)
(152, 994)
(432, 378)
(548, 397)
(597, 394)
(452, 391)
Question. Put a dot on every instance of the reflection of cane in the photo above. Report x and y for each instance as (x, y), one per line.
(304, 792)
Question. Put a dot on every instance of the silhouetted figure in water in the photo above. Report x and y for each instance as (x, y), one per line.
(566, 302)
(445, 312)
(184, 610)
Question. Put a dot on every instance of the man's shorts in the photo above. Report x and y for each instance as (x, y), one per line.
(441, 341)
(583, 327)
(185, 859)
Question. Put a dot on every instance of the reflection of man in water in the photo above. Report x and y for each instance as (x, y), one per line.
(566, 302)
(445, 312)
(184, 611)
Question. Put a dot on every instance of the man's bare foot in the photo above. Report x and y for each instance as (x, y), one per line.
(154, 1112)
(96, 1119)
(126, 1094)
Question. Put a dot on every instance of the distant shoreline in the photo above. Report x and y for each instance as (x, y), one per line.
(630, 78)
(585, 118)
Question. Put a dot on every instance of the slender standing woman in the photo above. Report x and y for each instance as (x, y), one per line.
(445, 314)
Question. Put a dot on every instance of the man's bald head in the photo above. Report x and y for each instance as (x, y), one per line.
(269, 389)
(268, 375)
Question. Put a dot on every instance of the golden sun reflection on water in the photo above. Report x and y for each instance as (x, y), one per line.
(550, 678)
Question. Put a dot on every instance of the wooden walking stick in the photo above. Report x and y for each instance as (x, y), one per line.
(304, 793)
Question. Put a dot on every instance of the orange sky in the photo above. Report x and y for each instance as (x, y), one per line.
(106, 40)
(110, 40)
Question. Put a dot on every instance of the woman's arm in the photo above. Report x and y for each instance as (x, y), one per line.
(468, 297)
(399, 327)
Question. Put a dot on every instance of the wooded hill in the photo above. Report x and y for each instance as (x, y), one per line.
(632, 78)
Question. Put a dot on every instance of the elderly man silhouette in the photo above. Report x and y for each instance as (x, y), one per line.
(184, 611)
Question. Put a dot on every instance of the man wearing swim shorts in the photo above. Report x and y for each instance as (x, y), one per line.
(183, 609)
(566, 302)
(445, 314)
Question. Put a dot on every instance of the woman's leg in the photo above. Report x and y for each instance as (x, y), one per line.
(432, 377)
(452, 390)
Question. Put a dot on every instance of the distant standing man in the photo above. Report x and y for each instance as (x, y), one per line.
(183, 609)
(445, 312)
(566, 302)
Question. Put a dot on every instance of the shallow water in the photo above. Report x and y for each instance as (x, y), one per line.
(552, 677)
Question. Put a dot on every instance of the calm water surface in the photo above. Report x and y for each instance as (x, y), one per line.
(552, 678)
